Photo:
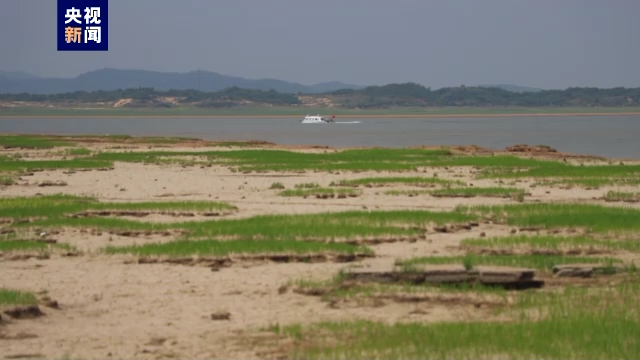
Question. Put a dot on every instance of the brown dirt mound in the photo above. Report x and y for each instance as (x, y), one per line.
(531, 149)
(471, 149)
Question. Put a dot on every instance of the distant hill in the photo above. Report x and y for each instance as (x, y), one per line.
(17, 75)
(512, 88)
(113, 79)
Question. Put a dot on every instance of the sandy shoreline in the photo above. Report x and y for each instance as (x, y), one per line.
(376, 116)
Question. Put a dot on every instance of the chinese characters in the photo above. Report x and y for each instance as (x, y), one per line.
(92, 30)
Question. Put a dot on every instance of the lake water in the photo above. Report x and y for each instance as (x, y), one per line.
(610, 136)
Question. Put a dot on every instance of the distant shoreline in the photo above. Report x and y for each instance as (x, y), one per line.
(371, 116)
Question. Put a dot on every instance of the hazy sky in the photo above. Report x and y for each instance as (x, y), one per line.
(540, 43)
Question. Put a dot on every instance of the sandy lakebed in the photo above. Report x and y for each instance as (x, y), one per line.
(96, 304)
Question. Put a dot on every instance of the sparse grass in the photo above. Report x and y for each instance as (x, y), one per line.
(57, 206)
(224, 248)
(6, 180)
(560, 170)
(539, 262)
(410, 181)
(504, 162)
(79, 152)
(335, 288)
(281, 160)
(29, 245)
(322, 226)
(16, 165)
(304, 192)
(575, 323)
(588, 182)
(514, 193)
(622, 196)
(21, 245)
(10, 297)
(307, 186)
(551, 242)
(596, 218)
(277, 185)
(29, 142)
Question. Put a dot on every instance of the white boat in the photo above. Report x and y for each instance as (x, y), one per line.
(318, 119)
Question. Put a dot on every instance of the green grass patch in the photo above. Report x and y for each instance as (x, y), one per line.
(30, 245)
(29, 142)
(322, 226)
(22, 245)
(479, 191)
(10, 297)
(57, 206)
(560, 170)
(280, 160)
(551, 242)
(622, 196)
(596, 218)
(588, 182)
(502, 161)
(245, 246)
(79, 152)
(303, 192)
(409, 181)
(575, 323)
(17, 165)
(539, 262)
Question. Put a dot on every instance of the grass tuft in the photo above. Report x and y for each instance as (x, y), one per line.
(304, 192)
(410, 181)
(15, 297)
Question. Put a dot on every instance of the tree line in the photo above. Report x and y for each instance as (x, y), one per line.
(387, 96)
(411, 94)
(151, 97)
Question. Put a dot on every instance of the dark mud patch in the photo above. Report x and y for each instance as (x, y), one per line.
(23, 312)
(495, 276)
(21, 256)
(216, 263)
(134, 213)
(377, 241)
(366, 296)
(52, 183)
(18, 336)
(635, 199)
(331, 196)
(453, 228)
(134, 233)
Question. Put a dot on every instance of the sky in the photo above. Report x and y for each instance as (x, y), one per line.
(547, 44)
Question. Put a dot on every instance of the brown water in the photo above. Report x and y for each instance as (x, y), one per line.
(610, 136)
